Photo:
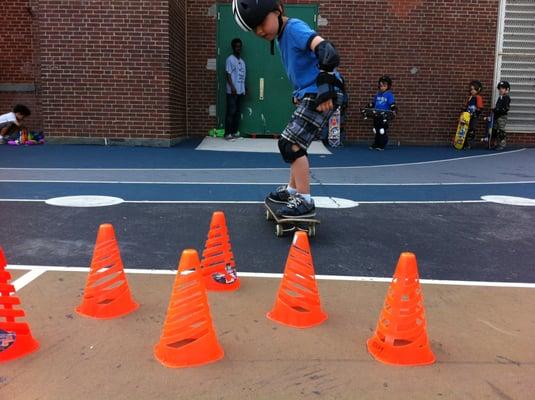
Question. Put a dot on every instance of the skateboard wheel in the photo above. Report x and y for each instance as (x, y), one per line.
(269, 217)
(279, 231)
(312, 230)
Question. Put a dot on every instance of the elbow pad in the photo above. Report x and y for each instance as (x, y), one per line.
(328, 58)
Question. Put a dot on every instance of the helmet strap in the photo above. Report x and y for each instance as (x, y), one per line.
(279, 30)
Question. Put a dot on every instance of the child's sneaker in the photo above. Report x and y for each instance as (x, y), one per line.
(229, 138)
(280, 195)
(500, 145)
(297, 207)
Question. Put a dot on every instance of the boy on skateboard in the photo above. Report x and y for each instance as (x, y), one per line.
(473, 105)
(310, 63)
(500, 114)
(383, 101)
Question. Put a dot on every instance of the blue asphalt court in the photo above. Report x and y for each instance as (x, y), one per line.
(429, 200)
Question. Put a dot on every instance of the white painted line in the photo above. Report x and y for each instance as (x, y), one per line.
(27, 278)
(262, 202)
(510, 200)
(421, 162)
(146, 271)
(256, 183)
(269, 169)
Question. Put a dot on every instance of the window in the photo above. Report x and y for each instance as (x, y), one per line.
(515, 61)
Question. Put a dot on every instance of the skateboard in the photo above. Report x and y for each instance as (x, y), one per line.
(372, 113)
(334, 129)
(462, 130)
(283, 225)
(490, 128)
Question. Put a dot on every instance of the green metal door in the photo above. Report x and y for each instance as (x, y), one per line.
(267, 106)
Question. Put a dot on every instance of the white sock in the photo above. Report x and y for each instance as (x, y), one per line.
(307, 197)
(291, 190)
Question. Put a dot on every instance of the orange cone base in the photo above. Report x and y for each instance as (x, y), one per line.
(411, 354)
(24, 345)
(215, 286)
(285, 315)
(204, 350)
(122, 305)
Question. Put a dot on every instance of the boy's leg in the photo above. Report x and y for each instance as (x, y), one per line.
(229, 117)
(237, 115)
(501, 138)
(300, 174)
(471, 134)
(304, 125)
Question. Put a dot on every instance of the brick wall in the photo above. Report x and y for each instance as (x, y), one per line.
(137, 69)
(19, 58)
(426, 47)
(105, 68)
(177, 67)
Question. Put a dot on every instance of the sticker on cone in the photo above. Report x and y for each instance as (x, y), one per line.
(218, 267)
(16, 340)
(298, 300)
(188, 337)
(401, 334)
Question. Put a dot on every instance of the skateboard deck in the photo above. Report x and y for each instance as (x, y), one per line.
(490, 128)
(334, 129)
(462, 130)
(373, 112)
(283, 225)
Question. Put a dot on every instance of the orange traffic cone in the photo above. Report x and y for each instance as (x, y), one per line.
(188, 337)
(218, 267)
(298, 301)
(401, 335)
(106, 294)
(16, 340)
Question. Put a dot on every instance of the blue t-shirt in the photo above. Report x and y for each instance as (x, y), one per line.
(299, 61)
(383, 100)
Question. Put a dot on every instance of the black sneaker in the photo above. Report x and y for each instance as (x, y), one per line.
(280, 195)
(372, 146)
(297, 207)
(380, 148)
(230, 138)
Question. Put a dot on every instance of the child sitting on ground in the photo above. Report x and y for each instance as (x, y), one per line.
(11, 123)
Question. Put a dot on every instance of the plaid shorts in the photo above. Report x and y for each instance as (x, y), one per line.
(306, 123)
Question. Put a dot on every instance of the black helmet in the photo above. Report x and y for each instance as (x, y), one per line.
(477, 85)
(385, 79)
(248, 14)
(504, 84)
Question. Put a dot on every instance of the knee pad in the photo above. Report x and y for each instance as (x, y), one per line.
(382, 131)
(289, 155)
(374, 131)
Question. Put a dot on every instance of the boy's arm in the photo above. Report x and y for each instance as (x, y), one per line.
(328, 60)
(229, 81)
(479, 103)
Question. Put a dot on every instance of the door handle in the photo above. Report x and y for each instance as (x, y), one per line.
(261, 96)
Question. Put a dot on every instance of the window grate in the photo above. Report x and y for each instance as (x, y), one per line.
(516, 61)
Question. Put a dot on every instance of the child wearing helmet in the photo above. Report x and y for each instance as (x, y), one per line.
(473, 105)
(500, 114)
(310, 63)
(383, 101)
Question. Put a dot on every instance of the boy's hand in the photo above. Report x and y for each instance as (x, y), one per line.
(325, 106)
